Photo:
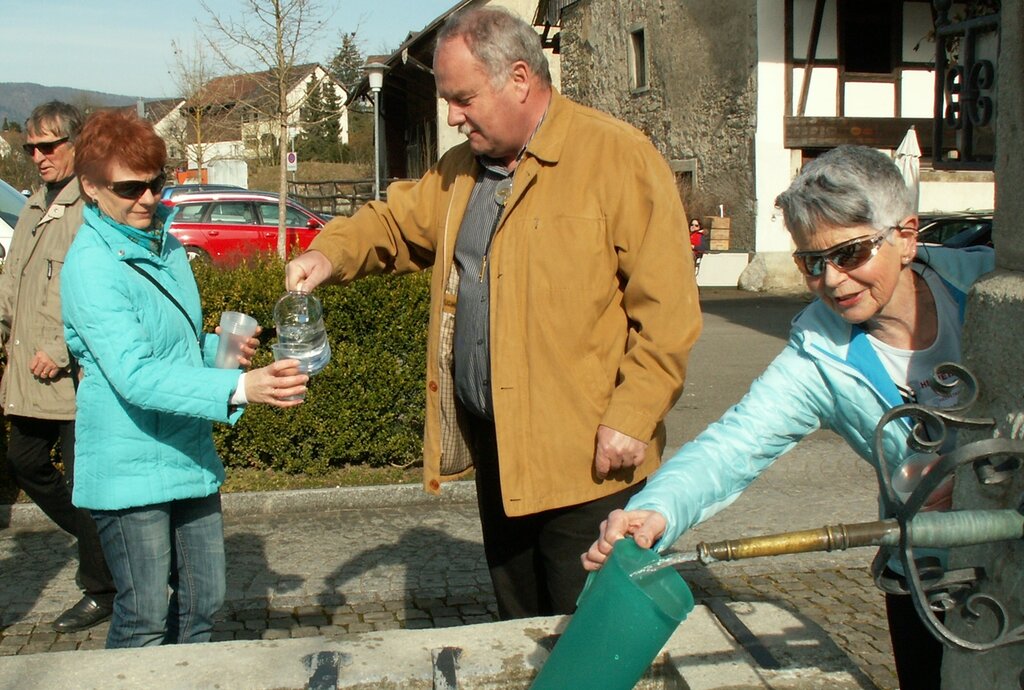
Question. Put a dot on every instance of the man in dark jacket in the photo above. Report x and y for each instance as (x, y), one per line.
(38, 387)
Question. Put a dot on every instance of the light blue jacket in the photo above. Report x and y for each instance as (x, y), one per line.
(828, 376)
(148, 391)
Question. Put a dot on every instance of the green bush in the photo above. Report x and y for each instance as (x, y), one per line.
(366, 406)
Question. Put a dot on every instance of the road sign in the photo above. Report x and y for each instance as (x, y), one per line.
(292, 162)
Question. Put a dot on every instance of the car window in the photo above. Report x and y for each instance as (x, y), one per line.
(191, 213)
(239, 212)
(293, 217)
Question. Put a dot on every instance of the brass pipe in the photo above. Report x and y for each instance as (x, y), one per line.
(935, 530)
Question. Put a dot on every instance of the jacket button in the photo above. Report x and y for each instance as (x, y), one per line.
(435, 485)
(432, 386)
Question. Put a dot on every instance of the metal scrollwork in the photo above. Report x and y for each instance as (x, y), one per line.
(931, 588)
(966, 89)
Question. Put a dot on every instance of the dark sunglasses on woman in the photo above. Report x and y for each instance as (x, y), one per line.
(845, 256)
(133, 189)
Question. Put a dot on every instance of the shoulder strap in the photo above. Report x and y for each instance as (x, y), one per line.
(168, 295)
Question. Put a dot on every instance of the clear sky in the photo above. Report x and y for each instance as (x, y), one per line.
(124, 47)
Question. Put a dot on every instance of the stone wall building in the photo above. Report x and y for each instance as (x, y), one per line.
(738, 94)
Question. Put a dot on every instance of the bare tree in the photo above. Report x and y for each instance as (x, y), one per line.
(271, 35)
(192, 72)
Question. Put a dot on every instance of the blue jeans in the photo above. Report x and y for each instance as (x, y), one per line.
(177, 545)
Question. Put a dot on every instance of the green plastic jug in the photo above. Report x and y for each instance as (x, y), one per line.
(620, 624)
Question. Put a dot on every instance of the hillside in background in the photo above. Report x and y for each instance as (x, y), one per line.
(18, 100)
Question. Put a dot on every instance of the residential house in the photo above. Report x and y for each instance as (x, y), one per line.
(232, 117)
(737, 94)
(169, 123)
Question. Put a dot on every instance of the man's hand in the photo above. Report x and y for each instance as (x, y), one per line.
(306, 271)
(42, 367)
(615, 450)
(646, 526)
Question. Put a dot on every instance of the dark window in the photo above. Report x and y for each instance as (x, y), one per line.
(638, 58)
(869, 30)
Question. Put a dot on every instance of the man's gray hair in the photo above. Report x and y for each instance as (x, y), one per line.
(497, 38)
(846, 187)
(59, 118)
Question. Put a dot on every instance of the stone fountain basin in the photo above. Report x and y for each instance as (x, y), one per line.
(700, 655)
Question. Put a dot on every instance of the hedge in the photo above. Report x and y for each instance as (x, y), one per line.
(366, 406)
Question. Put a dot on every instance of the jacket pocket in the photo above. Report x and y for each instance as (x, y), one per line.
(566, 254)
(51, 287)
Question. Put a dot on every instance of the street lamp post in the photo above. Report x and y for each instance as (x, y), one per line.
(375, 76)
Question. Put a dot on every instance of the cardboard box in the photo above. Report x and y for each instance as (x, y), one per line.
(719, 245)
(713, 222)
(719, 234)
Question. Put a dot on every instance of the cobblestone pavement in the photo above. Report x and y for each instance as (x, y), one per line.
(342, 572)
(347, 572)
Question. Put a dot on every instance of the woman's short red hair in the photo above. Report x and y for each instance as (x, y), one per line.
(117, 136)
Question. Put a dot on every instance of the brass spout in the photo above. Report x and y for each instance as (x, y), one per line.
(935, 530)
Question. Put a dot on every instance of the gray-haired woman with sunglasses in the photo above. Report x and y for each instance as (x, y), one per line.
(887, 313)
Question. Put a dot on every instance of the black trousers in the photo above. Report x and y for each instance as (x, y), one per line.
(28, 461)
(917, 653)
(534, 560)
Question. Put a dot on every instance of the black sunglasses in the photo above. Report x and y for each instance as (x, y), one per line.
(44, 147)
(133, 189)
(845, 256)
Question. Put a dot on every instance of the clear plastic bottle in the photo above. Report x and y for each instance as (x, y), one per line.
(300, 327)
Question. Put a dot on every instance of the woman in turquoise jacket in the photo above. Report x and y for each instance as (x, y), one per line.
(148, 394)
(888, 312)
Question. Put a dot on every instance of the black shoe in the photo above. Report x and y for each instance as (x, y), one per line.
(83, 615)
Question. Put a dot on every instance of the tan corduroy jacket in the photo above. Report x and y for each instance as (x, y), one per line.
(30, 318)
(593, 302)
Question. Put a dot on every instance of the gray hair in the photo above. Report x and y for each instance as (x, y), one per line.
(846, 187)
(497, 38)
(57, 117)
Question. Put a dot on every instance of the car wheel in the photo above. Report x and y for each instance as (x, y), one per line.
(196, 254)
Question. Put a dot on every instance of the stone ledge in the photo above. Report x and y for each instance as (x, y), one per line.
(701, 655)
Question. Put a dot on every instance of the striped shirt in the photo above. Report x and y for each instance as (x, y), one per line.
(472, 312)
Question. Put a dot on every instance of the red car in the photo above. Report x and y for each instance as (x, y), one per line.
(227, 227)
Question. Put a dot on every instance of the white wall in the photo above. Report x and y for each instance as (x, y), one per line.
(945, 196)
(772, 162)
(821, 97)
(803, 18)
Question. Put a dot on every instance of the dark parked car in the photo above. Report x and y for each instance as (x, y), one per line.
(966, 229)
(227, 227)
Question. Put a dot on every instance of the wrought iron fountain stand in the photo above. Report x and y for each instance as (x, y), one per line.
(995, 461)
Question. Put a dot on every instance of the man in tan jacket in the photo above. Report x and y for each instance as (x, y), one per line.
(563, 304)
(38, 387)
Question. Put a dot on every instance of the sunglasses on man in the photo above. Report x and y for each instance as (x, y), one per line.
(133, 189)
(845, 256)
(44, 147)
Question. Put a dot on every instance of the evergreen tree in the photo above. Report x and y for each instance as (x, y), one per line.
(347, 63)
(319, 139)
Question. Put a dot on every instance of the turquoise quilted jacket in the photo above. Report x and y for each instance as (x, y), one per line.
(148, 394)
(828, 376)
